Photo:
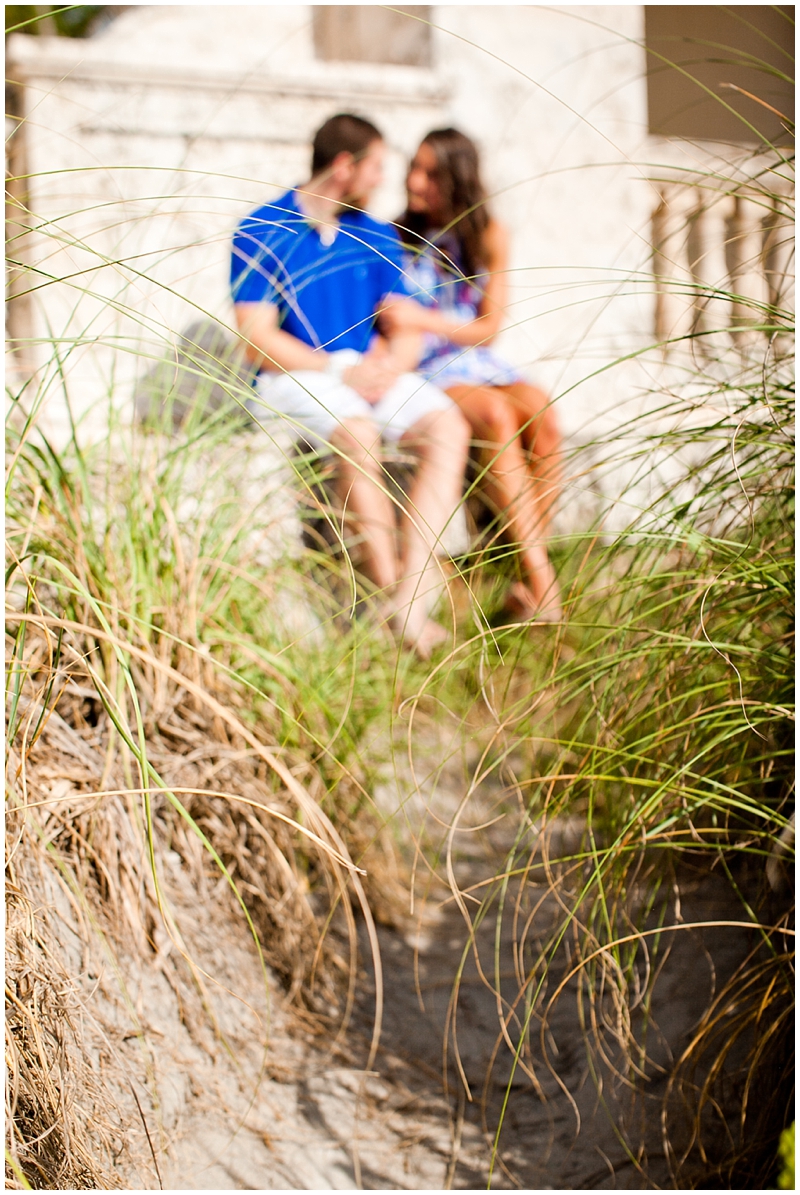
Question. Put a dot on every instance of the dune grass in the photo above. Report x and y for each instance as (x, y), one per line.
(659, 715)
(679, 754)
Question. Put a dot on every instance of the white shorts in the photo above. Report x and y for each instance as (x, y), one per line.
(313, 405)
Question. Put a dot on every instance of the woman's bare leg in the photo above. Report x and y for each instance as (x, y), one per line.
(541, 436)
(495, 420)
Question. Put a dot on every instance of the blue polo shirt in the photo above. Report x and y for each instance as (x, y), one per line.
(326, 295)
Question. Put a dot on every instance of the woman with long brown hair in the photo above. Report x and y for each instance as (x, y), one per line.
(457, 257)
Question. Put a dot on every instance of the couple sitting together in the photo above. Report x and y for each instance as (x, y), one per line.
(359, 338)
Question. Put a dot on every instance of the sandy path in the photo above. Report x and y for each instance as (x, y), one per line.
(312, 1120)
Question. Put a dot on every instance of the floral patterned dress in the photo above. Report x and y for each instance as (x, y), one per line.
(440, 283)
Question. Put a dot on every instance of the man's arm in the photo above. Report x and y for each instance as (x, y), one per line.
(268, 347)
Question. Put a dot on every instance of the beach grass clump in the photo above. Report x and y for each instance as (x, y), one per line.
(643, 753)
(659, 721)
(187, 600)
(173, 687)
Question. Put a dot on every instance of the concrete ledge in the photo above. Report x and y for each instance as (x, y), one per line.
(30, 58)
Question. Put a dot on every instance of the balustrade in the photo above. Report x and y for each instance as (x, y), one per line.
(724, 267)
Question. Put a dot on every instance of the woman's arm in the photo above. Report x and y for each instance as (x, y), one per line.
(406, 315)
(405, 349)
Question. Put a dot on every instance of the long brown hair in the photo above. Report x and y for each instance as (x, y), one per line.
(464, 210)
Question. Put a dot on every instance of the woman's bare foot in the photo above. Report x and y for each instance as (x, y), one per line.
(521, 605)
(429, 638)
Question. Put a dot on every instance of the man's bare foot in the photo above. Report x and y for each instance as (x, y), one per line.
(521, 605)
(422, 641)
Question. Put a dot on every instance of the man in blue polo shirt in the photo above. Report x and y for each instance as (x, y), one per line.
(309, 271)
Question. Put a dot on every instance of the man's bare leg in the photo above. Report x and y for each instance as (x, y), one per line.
(440, 441)
(365, 502)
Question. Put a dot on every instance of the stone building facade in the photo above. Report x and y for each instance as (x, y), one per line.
(136, 152)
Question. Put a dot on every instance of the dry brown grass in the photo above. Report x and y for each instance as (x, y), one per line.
(53, 1089)
(80, 831)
